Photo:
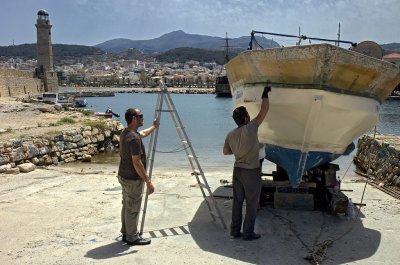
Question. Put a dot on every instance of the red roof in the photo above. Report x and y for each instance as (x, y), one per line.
(392, 56)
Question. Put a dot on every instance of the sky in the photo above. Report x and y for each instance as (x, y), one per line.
(90, 22)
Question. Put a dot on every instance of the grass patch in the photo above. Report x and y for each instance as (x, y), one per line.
(87, 112)
(66, 120)
(101, 125)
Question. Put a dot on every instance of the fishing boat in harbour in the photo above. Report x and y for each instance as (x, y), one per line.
(222, 87)
(80, 102)
(322, 98)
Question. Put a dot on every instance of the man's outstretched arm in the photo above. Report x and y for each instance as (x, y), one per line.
(264, 105)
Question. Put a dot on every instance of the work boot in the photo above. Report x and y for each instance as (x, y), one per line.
(250, 237)
(139, 242)
(236, 235)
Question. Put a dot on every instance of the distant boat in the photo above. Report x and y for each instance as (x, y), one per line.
(80, 102)
(103, 114)
(322, 98)
(222, 87)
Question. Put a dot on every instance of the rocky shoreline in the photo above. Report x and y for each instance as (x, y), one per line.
(61, 135)
(379, 158)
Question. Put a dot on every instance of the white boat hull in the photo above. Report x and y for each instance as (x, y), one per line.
(322, 98)
(310, 119)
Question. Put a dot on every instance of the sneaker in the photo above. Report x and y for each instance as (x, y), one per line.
(253, 236)
(138, 242)
(124, 238)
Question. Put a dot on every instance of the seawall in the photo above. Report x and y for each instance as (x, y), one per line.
(18, 83)
(24, 154)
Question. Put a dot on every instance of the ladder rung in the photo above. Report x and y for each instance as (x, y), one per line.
(191, 156)
(184, 142)
(196, 172)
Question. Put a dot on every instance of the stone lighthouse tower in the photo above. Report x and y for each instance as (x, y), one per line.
(45, 69)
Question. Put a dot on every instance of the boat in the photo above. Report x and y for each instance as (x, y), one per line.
(222, 87)
(103, 114)
(322, 98)
(80, 102)
(107, 114)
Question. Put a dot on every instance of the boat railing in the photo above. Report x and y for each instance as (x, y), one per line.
(300, 37)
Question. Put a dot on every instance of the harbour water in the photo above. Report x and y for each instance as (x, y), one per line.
(207, 120)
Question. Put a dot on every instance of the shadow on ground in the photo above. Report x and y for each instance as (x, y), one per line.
(288, 237)
(109, 251)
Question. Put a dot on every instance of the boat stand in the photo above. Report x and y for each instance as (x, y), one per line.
(187, 146)
(320, 190)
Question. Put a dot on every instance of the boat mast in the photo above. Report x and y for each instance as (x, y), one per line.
(226, 47)
(338, 36)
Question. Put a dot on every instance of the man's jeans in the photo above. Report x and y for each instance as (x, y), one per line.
(246, 186)
(132, 191)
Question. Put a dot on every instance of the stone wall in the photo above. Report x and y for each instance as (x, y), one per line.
(64, 147)
(18, 83)
(379, 157)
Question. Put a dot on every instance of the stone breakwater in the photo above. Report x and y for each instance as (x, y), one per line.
(24, 154)
(379, 158)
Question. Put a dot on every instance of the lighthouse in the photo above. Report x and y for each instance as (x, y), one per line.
(45, 70)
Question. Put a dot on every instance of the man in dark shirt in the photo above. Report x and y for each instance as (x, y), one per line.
(243, 143)
(132, 175)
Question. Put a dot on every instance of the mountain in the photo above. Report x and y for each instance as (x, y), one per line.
(174, 46)
(185, 54)
(391, 47)
(179, 39)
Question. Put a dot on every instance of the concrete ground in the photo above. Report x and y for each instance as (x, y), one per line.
(70, 215)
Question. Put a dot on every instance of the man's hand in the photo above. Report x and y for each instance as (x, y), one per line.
(150, 187)
(156, 123)
(267, 89)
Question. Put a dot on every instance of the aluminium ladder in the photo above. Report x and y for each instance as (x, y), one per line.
(194, 162)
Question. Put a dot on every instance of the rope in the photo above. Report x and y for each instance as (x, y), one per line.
(258, 44)
(176, 150)
(318, 254)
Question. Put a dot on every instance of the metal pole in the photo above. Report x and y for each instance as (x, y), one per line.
(304, 37)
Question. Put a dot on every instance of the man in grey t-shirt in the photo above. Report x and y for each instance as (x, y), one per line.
(243, 143)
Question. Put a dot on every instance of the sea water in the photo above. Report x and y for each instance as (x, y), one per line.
(207, 119)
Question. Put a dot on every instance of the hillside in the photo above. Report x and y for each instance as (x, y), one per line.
(179, 39)
(185, 54)
(174, 46)
(60, 51)
(391, 47)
